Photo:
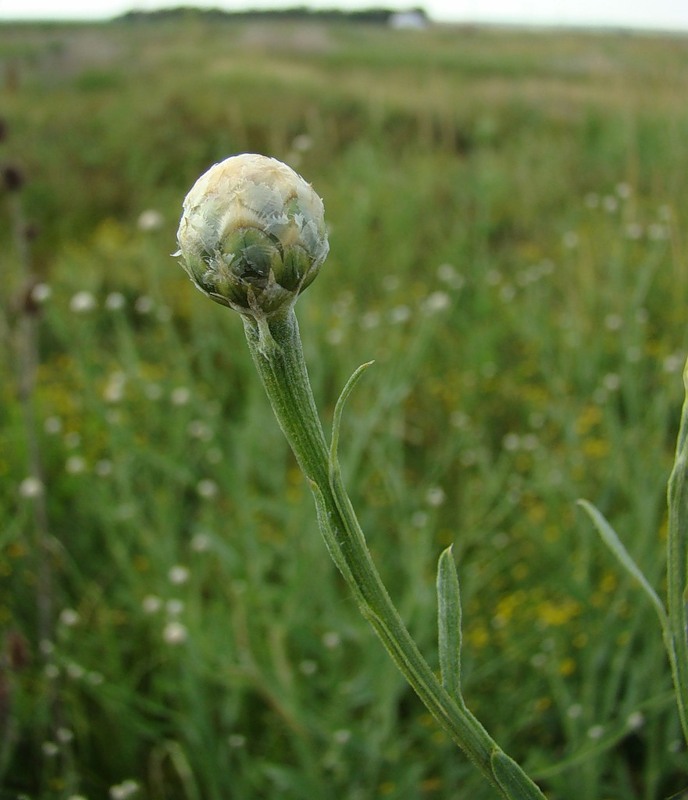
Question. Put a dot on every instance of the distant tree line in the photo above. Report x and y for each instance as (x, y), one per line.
(368, 15)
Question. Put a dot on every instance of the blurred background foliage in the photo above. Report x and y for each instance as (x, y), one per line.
(507, 220)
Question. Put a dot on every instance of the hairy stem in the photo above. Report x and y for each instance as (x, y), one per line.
(275, 346)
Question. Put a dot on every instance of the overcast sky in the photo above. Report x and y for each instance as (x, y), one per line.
(652, 14)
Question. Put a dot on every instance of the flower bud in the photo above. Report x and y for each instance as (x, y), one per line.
(252, 235)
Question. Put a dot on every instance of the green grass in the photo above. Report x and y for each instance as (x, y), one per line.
(508, 220)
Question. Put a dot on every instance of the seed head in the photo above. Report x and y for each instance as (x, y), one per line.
(252, 235)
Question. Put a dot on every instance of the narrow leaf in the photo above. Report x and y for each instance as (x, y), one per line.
(338, 409)
(329, 532)
(611, 539)
(515, 784)
(449, 624)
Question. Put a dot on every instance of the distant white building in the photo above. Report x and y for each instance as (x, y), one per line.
(414, 19)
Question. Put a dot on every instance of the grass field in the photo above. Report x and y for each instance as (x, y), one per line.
(507, 215)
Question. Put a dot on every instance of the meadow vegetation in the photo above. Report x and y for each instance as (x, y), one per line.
(507, 219)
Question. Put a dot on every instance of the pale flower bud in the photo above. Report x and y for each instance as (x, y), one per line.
(252, 235)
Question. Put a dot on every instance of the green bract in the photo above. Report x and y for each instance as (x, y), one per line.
(252, 235)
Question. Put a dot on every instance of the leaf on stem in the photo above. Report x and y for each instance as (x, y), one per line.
(611, 539)
(329, 532)
(449, 624)
(515, 784)
(338, 410)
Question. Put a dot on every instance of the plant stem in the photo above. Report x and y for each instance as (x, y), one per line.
(677, 567)
(275, 346)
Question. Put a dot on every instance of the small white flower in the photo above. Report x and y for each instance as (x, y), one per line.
(75, 671)
(115, 301)
(144, 304)
(151, 604)
(153, 391)
(459, 419)
(610, 203)
(370, 320)
(446, 273)
(342, 736)
(82, 302)
(613, 322)
(302, 142)
(570, 240)
(507, 293)
(103, 468)
(201, 542)
(40, 293)
(530, 441)
(611, 382)
(657, 232)
(419, 519)
(390, 283)
(400, 314)
(52, 425)
(198, 429)
(331, 640)
(335, 336)
(114, 388)
(634, 231)
(150, 220)
(634, 354)
(175, 633)
(64, 735)
(539, 660)
(124, 790)
(180, 396)
(635, 720)
(435, 496)
(46, 647)
(574, 711)
(596, 732)
(69, 617)
(75, 465)
(511, 442)
(236, 741)
(436, 302)
(31, 487)
(178, 575)
(50, 749)
(207, 488)
(308, 667)
(51, 672)
(673, 363)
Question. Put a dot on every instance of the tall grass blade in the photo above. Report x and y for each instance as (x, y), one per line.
(611, 539)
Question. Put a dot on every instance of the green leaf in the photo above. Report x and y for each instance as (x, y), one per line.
(449, 624)
(515, 784)
(611, 539)
(338, 409)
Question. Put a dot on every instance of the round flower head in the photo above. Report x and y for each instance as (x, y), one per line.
(252, 235)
